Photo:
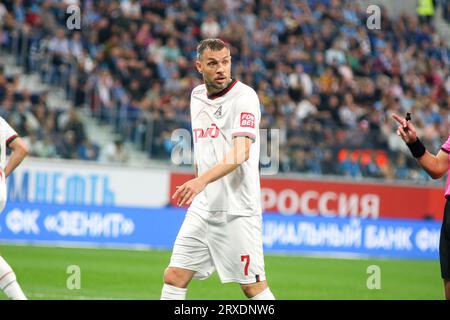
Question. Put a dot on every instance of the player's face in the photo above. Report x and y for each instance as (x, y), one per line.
(216, 68)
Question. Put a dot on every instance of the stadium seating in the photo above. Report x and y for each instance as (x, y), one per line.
(323, 78)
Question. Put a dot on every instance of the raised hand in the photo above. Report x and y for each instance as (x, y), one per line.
(406, 129)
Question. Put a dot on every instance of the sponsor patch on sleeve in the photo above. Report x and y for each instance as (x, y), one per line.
(247, 120)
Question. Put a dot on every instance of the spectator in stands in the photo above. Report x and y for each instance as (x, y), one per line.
(401, 169)
(3, 13)
(45, 148)
(300, 161)
(88, 150)
(350, 166)
(69, 121)
(426, 10)
(328, 163)
(115, 152)
(131, 9)
(210, 28)
(371, 169)
(446, 10)
(59, 51)
(67, 146)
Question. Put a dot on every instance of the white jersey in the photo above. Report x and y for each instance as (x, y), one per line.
(7, 134)
(216, 120)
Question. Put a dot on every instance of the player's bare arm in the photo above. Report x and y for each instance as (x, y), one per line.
(435, 165)
(19, 152)
(238, 154)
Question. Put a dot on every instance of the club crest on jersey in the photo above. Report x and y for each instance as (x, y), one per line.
(218, 114)
(212, 132)
(247, 120)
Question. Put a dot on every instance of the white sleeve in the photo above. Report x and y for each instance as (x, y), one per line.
(247, 115)
(8, 133)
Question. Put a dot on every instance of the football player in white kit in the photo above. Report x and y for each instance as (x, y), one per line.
(222, 229)
(9, 138)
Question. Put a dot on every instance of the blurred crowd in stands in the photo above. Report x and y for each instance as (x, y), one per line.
(446, 10)
(48, 132)
(325, 80)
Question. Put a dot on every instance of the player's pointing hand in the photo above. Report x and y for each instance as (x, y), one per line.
(187, 192)
(406, 129)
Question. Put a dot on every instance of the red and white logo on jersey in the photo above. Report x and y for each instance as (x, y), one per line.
(247, 120)
(212, 132)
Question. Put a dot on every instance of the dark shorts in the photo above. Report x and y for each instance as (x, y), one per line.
(444, 244)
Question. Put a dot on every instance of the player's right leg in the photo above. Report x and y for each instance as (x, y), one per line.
(175, 285)
(444, 250)
(190, 258)
(8, 282)
(178, 277)
(447, 288)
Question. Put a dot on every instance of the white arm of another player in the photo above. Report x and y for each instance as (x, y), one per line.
(239, 153)
(19, 152)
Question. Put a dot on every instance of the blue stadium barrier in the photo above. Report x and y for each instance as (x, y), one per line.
(390, 238)
(157, 228)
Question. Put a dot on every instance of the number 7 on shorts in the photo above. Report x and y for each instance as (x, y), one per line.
(246, 258)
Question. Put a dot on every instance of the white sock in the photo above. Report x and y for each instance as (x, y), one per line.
(173, 293)
(264, 295)
(8, 282)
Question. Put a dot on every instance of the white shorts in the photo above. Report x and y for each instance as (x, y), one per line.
(232, 245)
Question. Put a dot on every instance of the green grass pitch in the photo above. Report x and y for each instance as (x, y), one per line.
(137, 274)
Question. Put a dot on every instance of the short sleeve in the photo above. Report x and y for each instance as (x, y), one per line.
(247, 116)
(446, 146)
(9, 133)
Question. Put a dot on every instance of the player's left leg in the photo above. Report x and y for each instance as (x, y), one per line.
(444, 250)
(175, 285)
(447, 288)
(237, 252)
(8, 282)
(257, 291)
(190, 258)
